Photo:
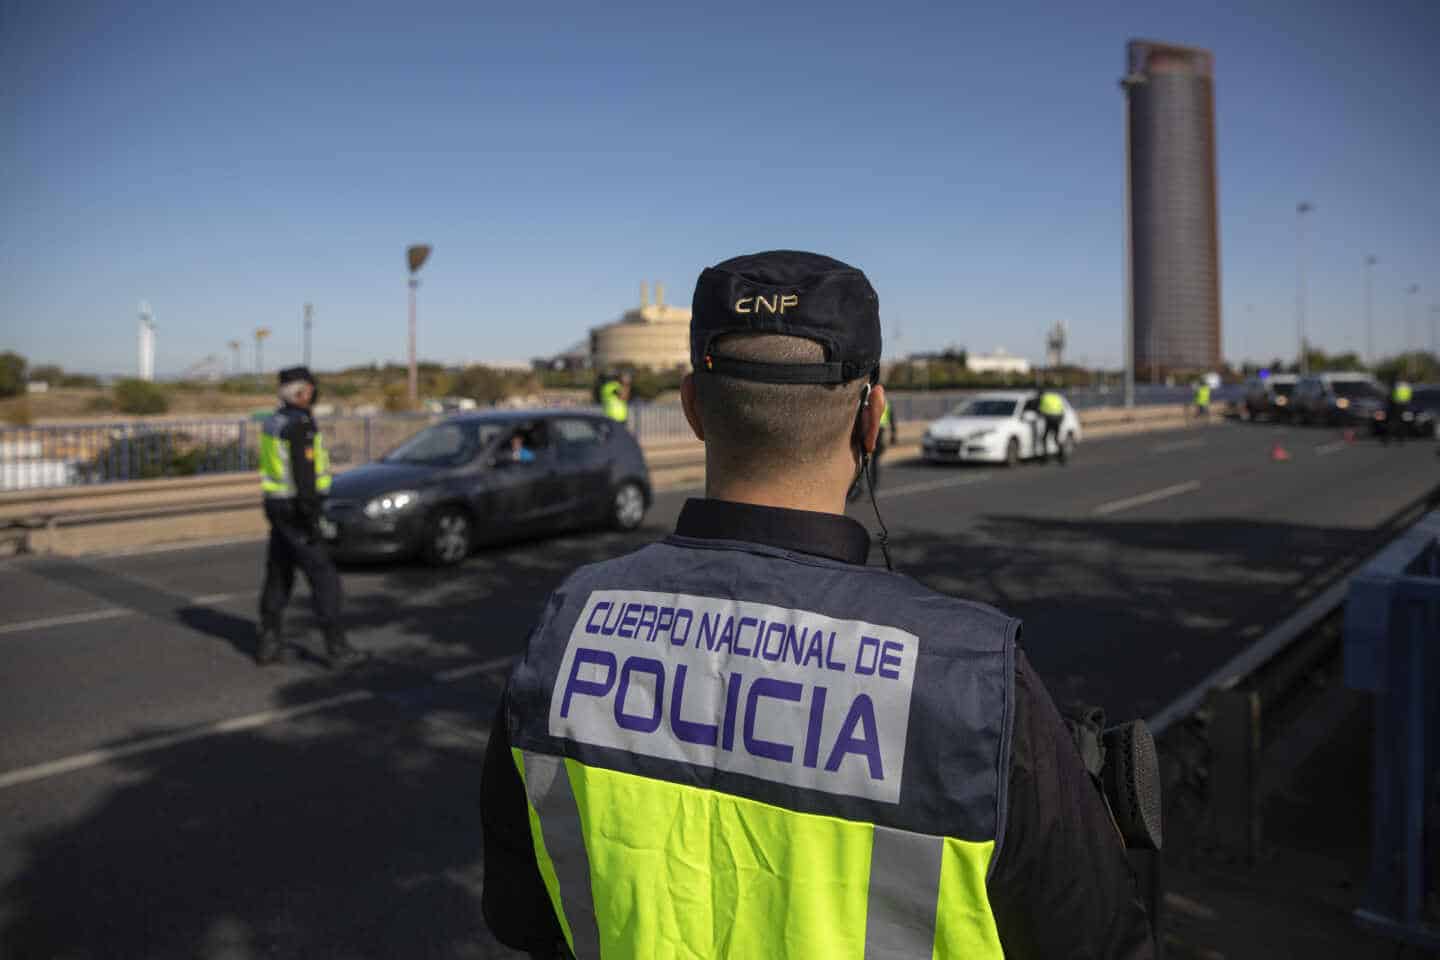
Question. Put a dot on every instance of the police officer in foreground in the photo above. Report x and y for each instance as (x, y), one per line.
(743, 741)
(295, 477)
(1052, 411)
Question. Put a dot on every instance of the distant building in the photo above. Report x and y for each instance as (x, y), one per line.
(652, 335)
(1174, 230)
(572, 358)
(997, 362)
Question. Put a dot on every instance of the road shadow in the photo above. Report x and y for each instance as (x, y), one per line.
(1130, 614)
(349, 833)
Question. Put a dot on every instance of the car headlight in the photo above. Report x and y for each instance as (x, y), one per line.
(1281, 401)
(390, 503)
(1342, 403)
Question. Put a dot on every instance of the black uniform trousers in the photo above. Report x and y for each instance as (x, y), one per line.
(293, 543)
(1395, 425)
(1052, 429)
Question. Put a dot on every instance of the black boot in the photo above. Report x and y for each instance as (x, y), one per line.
(340, 652)
(270, 647)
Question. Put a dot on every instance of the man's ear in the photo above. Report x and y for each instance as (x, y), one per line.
(870, 418)
(690, 403)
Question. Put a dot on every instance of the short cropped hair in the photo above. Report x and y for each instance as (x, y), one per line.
(756, 428)
(290, 390)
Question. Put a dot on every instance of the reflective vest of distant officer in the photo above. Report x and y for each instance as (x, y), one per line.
(1202, 398)
(1052, 408)
(1396, 415)
(295, 478)
(1402, 393)
(614, 399)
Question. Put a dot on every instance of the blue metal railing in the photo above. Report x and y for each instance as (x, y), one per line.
(1392, 649)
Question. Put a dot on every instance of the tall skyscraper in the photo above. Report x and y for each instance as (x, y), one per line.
(1174, 239)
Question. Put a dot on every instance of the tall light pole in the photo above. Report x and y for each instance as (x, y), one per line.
(1411, 343)
(1128, 83)
(260, 334)
(1370, 262)
(1301, 208)
(415, 257)
(309, 315)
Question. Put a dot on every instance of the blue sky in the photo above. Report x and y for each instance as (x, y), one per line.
(230, 162)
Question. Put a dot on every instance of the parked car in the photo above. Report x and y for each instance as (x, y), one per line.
(1420, 419)
(486, 477)
(995, 427)
(1268, 397)
(1337, 398)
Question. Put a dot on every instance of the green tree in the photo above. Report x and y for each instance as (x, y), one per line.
(12, 374)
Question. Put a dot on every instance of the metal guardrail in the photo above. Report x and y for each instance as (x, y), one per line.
(35, 458)
(1392, 649)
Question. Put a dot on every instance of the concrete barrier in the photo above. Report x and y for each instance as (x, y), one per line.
(78, 520)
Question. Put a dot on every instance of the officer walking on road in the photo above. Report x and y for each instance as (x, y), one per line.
(1396, 424)
(1052, 410)
(295, 477)
(1202, 400)
(744, 741)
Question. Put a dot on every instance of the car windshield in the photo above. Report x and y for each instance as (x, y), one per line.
(985, 408)
(445, 444)
(1355, 388)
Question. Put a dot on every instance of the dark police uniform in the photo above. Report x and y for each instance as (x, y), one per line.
(743, 741)
(294, 477)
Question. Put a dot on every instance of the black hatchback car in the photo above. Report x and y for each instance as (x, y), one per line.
(486, 477)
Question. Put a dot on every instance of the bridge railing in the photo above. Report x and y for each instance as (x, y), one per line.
(1392, 649)
(64, 455)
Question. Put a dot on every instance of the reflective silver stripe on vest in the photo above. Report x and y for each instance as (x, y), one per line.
(548, 786)
(904, 895)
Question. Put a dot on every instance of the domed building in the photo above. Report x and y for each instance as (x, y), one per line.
(653, 335)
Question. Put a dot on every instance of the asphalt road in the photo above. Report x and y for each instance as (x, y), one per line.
(160, 796)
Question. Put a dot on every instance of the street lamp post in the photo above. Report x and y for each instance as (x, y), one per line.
(309, 314)
(1128, 83)
(1301, 208)
(1370, 262)
(415, 257)
(1411, 343)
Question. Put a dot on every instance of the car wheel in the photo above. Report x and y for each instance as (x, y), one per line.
(627, 508)
(1012, 452)
(449, 534)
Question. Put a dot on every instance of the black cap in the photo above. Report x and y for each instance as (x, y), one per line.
(794, 294)
(291, 374)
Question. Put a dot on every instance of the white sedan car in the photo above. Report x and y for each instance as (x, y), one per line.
(995, 427)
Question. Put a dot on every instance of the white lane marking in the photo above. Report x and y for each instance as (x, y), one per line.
(1324, 448)
(470, 669)
(929, 485)
(249, 721)
(210, 598)
(1176, 445)
(177, 545)
(1164, 493)
(104, 613)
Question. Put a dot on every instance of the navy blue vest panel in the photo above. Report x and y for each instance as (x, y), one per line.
(811, 684)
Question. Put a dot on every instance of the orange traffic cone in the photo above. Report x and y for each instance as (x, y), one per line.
(1279, 453)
